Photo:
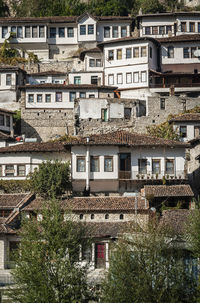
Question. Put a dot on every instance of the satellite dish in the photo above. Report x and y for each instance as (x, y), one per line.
(7, 36)
(197, 53)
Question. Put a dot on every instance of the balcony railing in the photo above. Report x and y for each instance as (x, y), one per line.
(149, 175)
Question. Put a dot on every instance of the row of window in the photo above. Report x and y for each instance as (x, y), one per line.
(61, 32)
(183, 131)
(134, 52)
(94, 80)
(4, 120)
(193, 27)
(95, 63)
(188, 52)
(92, 216)
(87, 29)
(114, 31)
(10, 170)
(157, 30)
(58, 97)
(156, 166)
(94, 164)
(134, 77)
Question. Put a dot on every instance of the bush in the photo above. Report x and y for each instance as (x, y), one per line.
(15, 186)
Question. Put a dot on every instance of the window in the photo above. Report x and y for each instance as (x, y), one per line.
(94, 80)
(169, 166)
(70, 32)
(168, 29)
(61, 32)
(162, 103)
(170, 52)
(86, 253)
(135, 77)
(47, 98)
(196, 131)
(154, 30)
(91, 96)
(27, 32)
(98, 62)
(94, 164)
(115, 33)
(77, 80)
(119, 79)
(81, 216)
(108, 164)
(123, 31)
(144, 76)
(9, 172)
(1, 120)
(8, 79)
(107, 32)
(39, 98)
(198, 27)
(186, 53)
(110, 79)
(106, 216)
(82, 95)
(183, 27)
(135, 52)
(143, 51)
(58, 97)
(192, 27)
(121, 217)
(128, 53)
(90, 29)
(92, 62)
(8, 121)
(119, 54)
(147, 30)
(142, 166)
(52, 32)
(30, 98)
(21, 170)
(155, 166)
(183, 131)
(80, 167)
(13, 30)
(34, 32)
(72, 96)
(82, 30)
(4, 31)
(92, 217)
(128, 78)
(193, 49)
(110, 55)
(41, 31)
(150, 52)
(104, 114)
(161, 30)
(19, 32)
(127, 113)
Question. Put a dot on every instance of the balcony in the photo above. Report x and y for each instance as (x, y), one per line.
(149, 175)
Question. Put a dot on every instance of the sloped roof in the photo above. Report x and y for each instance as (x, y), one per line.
(91, 50)
(6, 111)
(175, 219)
(67, 86)
(168, 190)
(35, 147)
(50, 72)
(180, 38)
(186, 117)
(9, 201)
(128, 39)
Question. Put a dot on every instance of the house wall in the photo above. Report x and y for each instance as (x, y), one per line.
(87, 37)
(6, 127)
(46, 79)
(156, 21)
(86, 77)
(100, 30)
(93, 56)
(190, 129)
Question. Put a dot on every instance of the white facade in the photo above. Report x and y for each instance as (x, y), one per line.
(91, 77)
(6, 121)
(191, 130)
(55, 79)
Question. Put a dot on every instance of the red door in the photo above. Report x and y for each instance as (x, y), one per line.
(100, 255)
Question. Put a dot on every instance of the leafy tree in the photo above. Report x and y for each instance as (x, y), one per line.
(51, 179)
(145, 267)
(110, 7)
(4, 10)
(164, 130)
(148, 6)
(47, 267)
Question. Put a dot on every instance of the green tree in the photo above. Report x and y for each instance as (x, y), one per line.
(145, 268)
(148, 6)
(47, 267)
(4, 10)
(164, 130)
(51, 179)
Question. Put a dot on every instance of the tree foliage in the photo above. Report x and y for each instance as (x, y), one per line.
(4, 10)
(145, 268)
(148, 6)
(51, 180)
(164, 130)
(47, 267)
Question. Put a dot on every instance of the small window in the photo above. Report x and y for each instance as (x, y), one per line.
(21, 170)
(115, 33)
(92, 62)
(136, 77)
(123, 31)
(2, 120)
(9, 172)
(186, 53)
(142, 166)
(14, 30)
(183, 131)
(121, 217)
(104, 114)
(81, 216)
(34, 31)
(82, 30)
(106, 216)
(82, 95)
(119, 54)
(92, 216)
(161, 30)
(169, 166)
(27, 32)
(52, 32)
(72, 96)
(154, 30)
(58, 97)
(162, 103)
(110, 79)
(168, 29)
(183, 27)
(143, 51)
(80, 167)
(135, 52)
(91, 96)
(70, 32)
(192, 27)
(8, 79)
(30, 98)
(147, 30)
(77, 80)
(144, 76)
(150, 52)
(110, 55)
(19, 32)
(107, 32)
(90, 29)
(8, 121)
(156, 166)
(170, 52)
(128, 53)
(193, 49)
(47, 98)
(94, 164)
(41, 31)
(98, 62)
(108, 164)
(119, 79)
(94, 80)
(4, 31)
(127, 113)
(61, 32)
(39, 98)
(128, 78)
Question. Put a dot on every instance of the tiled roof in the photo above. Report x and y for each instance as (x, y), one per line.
(54, 19)
(10, 68)
(34, 147)
(124, 138)
(175, 219)
(91, 50)
(174, 14)
(186, 117)
(168, 190)
(50, 72)
(5, 229)
(67, 86)
(180, 38)
(7, 111)
(98, 204)
(128, 39)
(9, 201)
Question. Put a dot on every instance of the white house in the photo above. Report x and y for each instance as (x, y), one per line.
(52, 76)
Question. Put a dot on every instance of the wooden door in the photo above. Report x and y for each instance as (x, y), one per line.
(100, 255)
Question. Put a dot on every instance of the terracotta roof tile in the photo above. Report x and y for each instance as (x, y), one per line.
(180, 38)
(175, 219)
(186, 117)
(128, 39)
(169, 190)
(35, 147)
(10, 201)
(67, 86)
(54, 19)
